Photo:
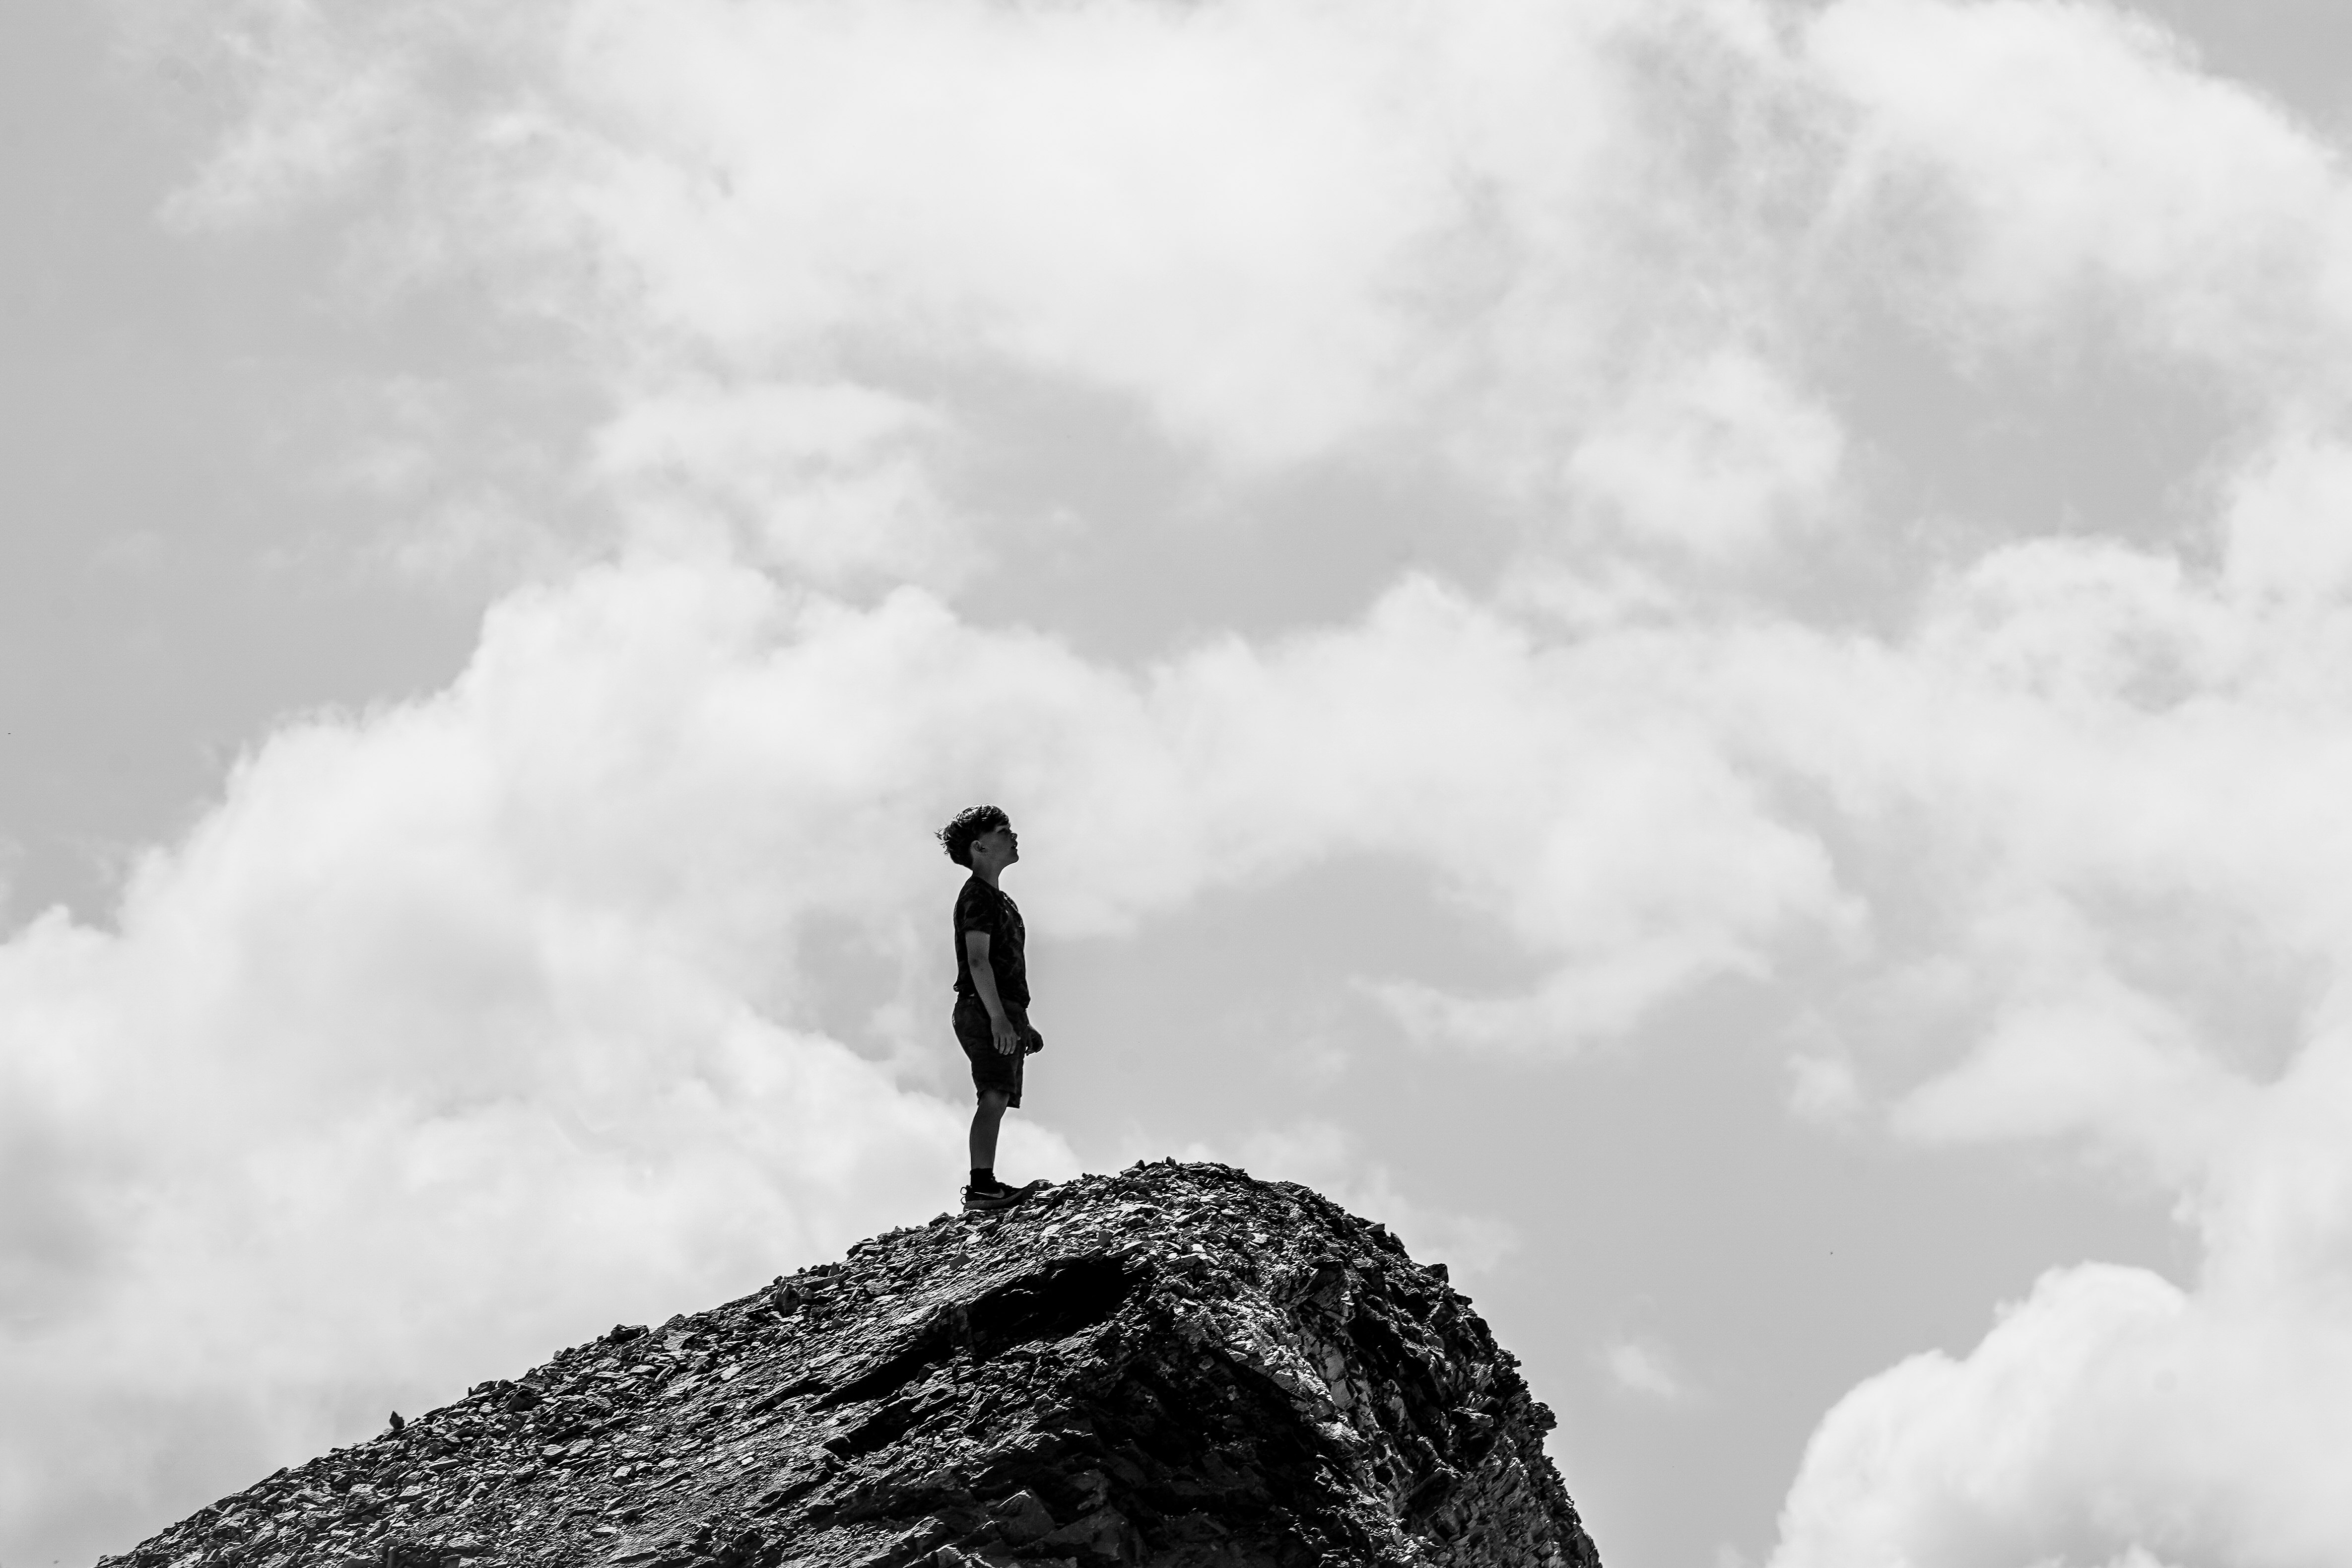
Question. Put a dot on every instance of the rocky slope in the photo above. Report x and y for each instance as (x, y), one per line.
(1175, 1366)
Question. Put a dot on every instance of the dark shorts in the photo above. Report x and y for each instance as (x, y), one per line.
(991, 1069)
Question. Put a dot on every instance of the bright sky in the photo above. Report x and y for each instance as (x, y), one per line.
(1700, 650)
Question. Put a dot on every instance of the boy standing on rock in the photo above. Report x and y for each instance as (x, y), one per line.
(991, 1006)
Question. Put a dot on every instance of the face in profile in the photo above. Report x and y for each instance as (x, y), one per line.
(998, 846)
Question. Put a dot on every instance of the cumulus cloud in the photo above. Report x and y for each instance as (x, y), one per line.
(2117, 187)
(1713, 459)
(2110, 1416)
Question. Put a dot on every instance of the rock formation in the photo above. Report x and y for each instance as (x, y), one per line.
(1177, 1365)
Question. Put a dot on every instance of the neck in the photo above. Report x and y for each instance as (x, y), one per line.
(987, 873)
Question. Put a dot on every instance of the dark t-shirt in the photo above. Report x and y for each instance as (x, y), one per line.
(980, 907)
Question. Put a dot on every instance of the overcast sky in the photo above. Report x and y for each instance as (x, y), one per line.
(1700, 650)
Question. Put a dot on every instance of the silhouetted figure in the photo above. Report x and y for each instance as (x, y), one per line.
(991, 1006)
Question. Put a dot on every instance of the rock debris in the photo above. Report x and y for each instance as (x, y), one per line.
(1177, 1366)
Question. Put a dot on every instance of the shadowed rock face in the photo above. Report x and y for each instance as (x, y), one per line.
(1176, 1366)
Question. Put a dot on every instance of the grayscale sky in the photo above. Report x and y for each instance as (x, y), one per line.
(1700, 650)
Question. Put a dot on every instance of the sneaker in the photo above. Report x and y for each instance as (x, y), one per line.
(995, 1196)
(999, 1196)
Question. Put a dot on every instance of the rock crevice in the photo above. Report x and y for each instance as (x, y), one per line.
(1177, 1366)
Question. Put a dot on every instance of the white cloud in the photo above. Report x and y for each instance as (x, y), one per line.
(2036, 168)
(2109, 1415)
(2106, 1063)
(1643, 1365)
(1714, 458)
(1556, 788)
(2287, 532)
(754, 181)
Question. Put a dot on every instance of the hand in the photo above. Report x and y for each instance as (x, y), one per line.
(1006, 1034)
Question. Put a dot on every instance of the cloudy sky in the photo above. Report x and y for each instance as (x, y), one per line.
(1700, 650)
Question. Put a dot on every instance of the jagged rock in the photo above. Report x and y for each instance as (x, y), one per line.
(1177, 1366)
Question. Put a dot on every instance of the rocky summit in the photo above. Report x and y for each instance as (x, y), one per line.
(1175, 1366)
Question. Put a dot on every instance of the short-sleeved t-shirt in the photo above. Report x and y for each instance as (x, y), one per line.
(980, 907)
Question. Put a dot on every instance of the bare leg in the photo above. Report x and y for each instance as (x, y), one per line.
(984, 1122)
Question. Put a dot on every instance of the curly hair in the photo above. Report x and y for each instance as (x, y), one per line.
(970, 823)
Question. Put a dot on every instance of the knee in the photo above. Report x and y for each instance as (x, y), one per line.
(994, 1100)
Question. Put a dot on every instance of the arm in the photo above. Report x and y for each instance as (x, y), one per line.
(983, 980)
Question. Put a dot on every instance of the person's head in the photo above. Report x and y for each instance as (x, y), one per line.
(984, 828)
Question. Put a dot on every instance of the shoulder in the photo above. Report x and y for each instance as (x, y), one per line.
(976, 898)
